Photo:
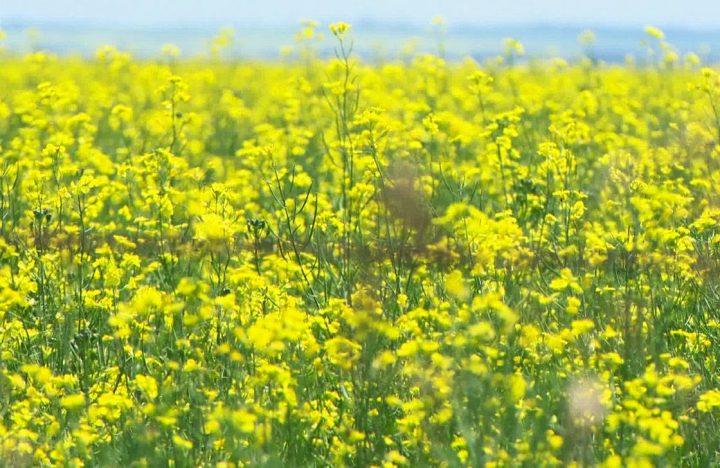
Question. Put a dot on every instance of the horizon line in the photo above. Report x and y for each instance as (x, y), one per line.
(24, 23)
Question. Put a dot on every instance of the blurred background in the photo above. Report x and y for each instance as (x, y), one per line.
(381, 29)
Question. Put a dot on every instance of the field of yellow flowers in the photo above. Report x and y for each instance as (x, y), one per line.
(320, 262)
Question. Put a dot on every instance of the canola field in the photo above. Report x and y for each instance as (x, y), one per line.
(332, 262)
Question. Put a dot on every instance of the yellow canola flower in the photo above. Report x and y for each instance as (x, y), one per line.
(517, 387)
(708, 401)
(455, 285)
(148, 385)
(339, 29)
(72, 402)
(566, 280)
(343, 352)
(212, 227)
(654, 32)
(182, 443)
(243, 421)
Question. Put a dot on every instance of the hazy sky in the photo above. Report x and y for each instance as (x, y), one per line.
(683, 13)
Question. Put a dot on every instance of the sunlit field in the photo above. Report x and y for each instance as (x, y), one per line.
(329, 261)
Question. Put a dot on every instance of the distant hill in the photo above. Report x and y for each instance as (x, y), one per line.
(372, 40)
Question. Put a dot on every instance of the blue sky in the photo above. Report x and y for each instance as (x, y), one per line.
(685, 13)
